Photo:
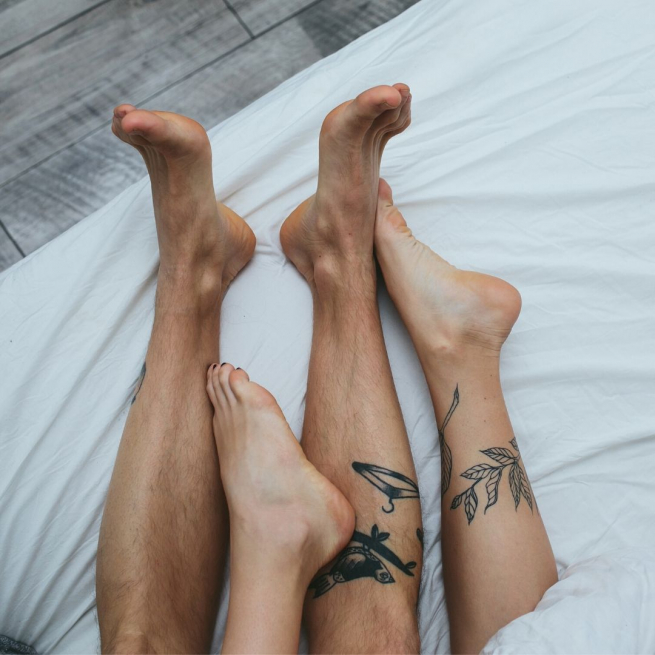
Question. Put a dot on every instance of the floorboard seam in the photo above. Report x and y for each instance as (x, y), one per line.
(289, 17)
(53, 29)
(11, 238)
(242, 22)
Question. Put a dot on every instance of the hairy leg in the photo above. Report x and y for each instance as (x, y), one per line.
(497, 558)
(286, 519)
(164, 529)
(365, 600)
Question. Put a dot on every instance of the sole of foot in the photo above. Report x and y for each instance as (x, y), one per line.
(194, 230)
(446, 310)
(337, 222)
(275, 496)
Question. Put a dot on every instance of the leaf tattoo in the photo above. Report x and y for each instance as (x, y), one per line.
(500, 455)
(446, 464)
(518, 481)
(492, 487)
(478, 471)
(470, 503)
(525, 488)
(446, 455)
(514, 484)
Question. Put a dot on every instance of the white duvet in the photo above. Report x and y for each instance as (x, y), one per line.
(532, 157)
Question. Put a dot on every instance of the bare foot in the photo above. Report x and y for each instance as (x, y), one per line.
(277, 499)
(337, 222)
(194, 231)
(446, 310)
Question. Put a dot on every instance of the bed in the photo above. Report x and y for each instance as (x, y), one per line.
(531, 156)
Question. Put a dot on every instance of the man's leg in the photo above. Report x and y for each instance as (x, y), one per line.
(365, 600)
(164, 529)
(497, 558)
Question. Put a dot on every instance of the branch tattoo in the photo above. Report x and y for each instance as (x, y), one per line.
(446, 455)
(392, 484)
(367, 557)
(518, 481)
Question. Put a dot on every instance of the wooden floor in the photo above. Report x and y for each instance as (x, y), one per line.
(65, 64)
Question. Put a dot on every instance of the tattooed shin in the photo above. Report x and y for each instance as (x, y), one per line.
(392, 484)
(367, 556)
(492, 473)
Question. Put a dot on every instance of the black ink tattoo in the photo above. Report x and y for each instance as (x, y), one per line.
(419, 535)
(363, 559)
(446, 455)
(139, 382)
(518, 481)
(379, 478)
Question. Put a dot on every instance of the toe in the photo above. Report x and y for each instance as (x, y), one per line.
(390, 121)
(217, 389)
(238, 379)
(148, 125)
(210, 385)
(388, 220)
(370, 104)
(385, 194)
(223, 374)
(122, 110)
(255, 395)
(403, 89)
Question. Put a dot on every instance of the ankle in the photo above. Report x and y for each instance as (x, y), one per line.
(447, 363)
(188, 284)
(289, 544)
(343, 276)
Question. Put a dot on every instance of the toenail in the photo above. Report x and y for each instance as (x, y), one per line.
(238, 368)
(223, 364)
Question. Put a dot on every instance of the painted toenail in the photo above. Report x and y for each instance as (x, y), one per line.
(223, 364)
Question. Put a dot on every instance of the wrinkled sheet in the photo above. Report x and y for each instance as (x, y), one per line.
(531, 156)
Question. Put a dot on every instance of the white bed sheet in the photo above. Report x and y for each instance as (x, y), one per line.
(531, 156)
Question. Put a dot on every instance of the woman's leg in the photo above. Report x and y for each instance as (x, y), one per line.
(164, 528)
(497, 558)
(286, 519)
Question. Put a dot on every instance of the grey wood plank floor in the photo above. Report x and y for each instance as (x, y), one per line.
(64, 65)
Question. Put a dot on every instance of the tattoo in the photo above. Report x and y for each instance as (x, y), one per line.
(379, 478)
(419, 535)
(446, 455)
(139, 382)
(364, 559)
(518, 481)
